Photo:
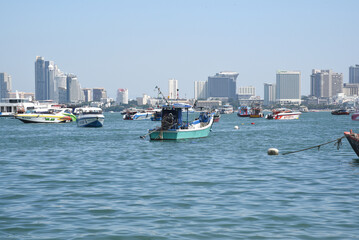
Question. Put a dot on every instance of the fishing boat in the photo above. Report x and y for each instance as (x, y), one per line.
(244, 111)
(216, 116)
(256, 112)
(90, 117)
(353, 139)
(340, 112)
(173, 126)
(56, 115)
(283, 114)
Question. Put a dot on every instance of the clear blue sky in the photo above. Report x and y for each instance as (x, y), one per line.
(141, 44)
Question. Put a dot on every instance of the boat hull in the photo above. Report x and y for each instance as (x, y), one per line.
(355, 116)
(177, 134)
(353, 139)
(29, 118)
(286, 116)
(91, 121)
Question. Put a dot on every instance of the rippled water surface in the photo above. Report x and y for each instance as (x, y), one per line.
(58, 181)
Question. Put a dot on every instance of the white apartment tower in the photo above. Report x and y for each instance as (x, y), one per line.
(172, 88)
(269, 94)
(122, 96)
(200, 90)
(288, 87)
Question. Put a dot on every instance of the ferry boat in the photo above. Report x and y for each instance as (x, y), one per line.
(173, 127)
(90, 117)
(52, 115)
(10, 106)
(340, 112)
(244, 111)
(283, 114)
(353, 139)
(227, 109)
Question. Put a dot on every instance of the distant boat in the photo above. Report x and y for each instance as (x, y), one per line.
(355, 116)
(256, 112)
(353, 139)
(156, 116)
(340, 112)
(244, 111)
(283, 114)
(216, 116)
(90, 117)
(227, 109)
(173, 126)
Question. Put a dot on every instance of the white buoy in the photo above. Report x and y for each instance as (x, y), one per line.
(236, 127)
(273, 151)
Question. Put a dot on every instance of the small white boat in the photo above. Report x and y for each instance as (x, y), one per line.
(89, 117)
(57, 115)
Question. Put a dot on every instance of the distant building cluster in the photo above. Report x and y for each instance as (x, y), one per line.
(326, 87)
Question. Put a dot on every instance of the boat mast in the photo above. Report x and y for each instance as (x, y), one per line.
(159, 92)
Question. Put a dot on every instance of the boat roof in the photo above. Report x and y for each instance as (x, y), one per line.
(177, 105)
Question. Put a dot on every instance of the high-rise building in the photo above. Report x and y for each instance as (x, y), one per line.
(5, 85)
(172, 89)
(288, 87)
(87, 94)
(49, 80)
(200, 90)
(74, 93)
(122, 96)
(325, 83)
(223, 84)
(269, 94)
(40, 86)
(354, 74)
(98, 94)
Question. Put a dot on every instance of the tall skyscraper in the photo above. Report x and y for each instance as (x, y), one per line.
(269, 94)
(122, 96)
(325, 83)
(98, 94)
(5, 85)
(40, 86)
(223, 84)
(172, 88)
(50, 80)
(288, 87)
(200, 90)
(354, 74)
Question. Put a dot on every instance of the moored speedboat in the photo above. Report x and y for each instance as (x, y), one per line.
(173, 127)
(283, 114)
(90, 117)
(340, 112)
(353, 139)
(60, 115)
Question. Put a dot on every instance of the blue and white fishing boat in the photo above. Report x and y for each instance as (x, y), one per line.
(174, 127)
(89, 117)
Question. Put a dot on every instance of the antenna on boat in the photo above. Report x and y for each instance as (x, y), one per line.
(159, 92)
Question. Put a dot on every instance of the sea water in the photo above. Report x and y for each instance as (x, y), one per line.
(59, 181)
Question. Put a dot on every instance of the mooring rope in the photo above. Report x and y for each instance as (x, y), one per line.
(338, 143)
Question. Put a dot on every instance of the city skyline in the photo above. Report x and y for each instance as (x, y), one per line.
(139, 45)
